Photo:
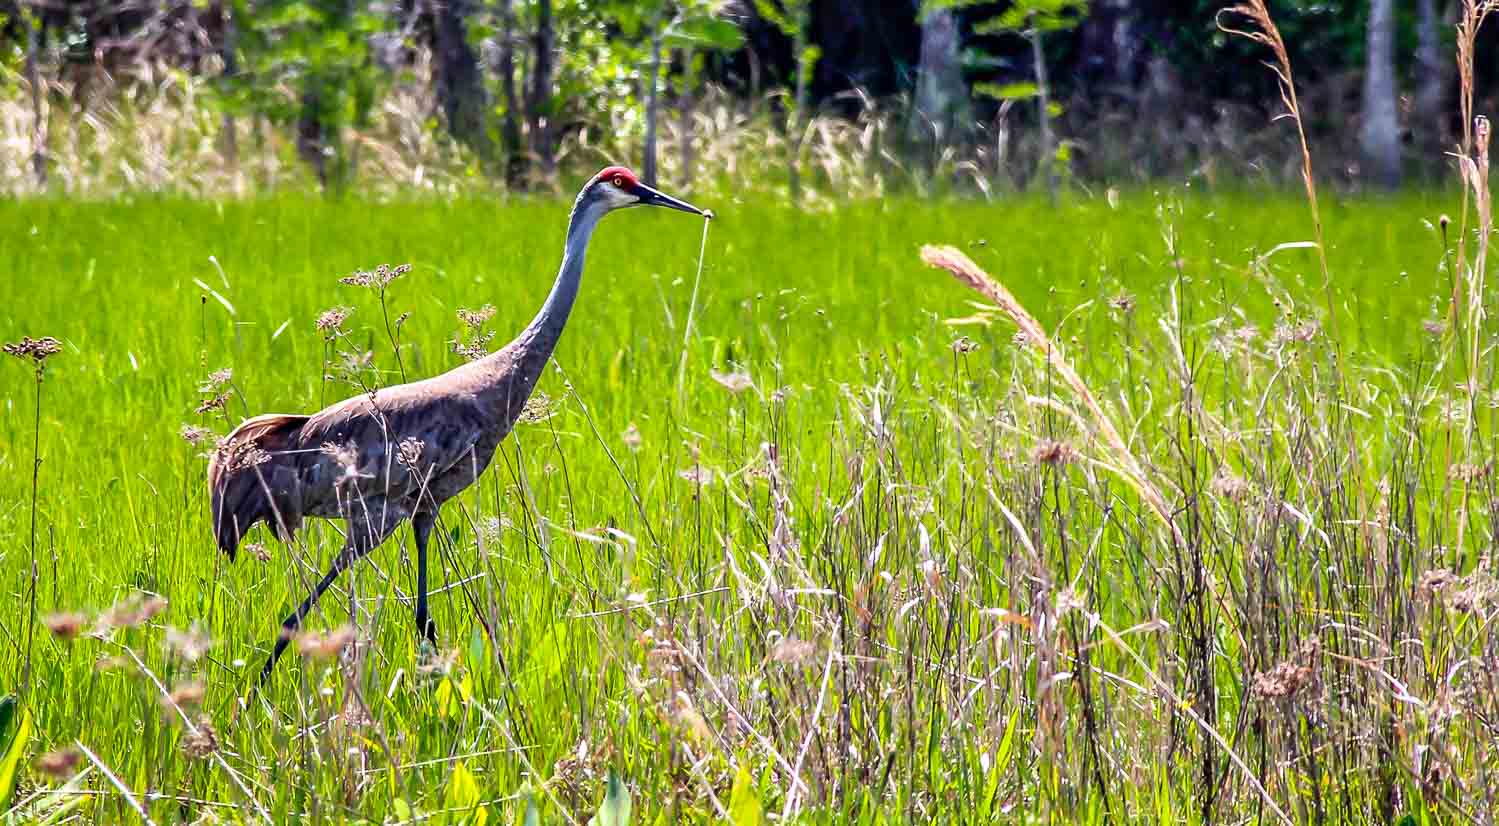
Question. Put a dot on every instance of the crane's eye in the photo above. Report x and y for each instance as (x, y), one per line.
(619, 181)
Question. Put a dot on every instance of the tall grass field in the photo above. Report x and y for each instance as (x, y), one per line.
(1214, 545)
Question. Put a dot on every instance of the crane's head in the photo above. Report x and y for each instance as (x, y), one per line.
(617, 187)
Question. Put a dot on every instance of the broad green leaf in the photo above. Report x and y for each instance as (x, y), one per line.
(531, 815)
(1006, 91)
(615, 810)
(463, 790)
(11, 759)
(744, 805)
(706, 32)
(7, 719)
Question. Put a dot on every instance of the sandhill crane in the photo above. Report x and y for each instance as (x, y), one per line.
(401, 452)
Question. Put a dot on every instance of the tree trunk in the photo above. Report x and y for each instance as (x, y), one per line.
(1379, 135)
(38, 118)
(1432, 69)
(796, 119)
(460, 86)
(686, 100)
(510, 132)
(229, 52)
(311, 132)
(940, 96)
(539, 105)
(1047, 162)
(652, 107)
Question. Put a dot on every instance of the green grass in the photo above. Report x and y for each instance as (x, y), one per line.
(881, 538)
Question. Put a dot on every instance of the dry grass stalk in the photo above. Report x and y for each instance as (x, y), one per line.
(971, 275)
(1264, 31)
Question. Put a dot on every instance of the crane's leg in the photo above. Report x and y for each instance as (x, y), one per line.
(290, 624)
(374, 522)
(421, 524)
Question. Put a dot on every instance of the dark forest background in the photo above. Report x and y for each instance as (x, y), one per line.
(926, 93)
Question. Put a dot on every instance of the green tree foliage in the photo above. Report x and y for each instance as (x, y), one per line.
(306, 64)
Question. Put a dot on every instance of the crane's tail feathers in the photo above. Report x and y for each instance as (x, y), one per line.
(240, 472)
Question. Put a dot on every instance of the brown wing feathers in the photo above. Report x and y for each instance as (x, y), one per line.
(237, 493)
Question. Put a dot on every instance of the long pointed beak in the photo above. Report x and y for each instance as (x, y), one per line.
(652, 197)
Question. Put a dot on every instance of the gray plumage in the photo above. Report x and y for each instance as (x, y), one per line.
(378, 459)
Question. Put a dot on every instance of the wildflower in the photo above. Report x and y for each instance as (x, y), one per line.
(1020, 340)
(36, 349)
(333, 319)
(194, 435)
(963, 345)
(201, 740)
(65, 626)
(699, 475)
(631, 437)
(133, 611)
(257, 551)
(792, 651)
(213, 403)
(1463, 472)
(1123, 302)
(476, 318)
(1055, 453)
(539, 408)
(1229, 486)
(190, 645)
(355, 362)
(185, 694)
(409, 452)
(222, 376)
(736, 382)
(60, 763)
(377, 280)
(1284, 680)
(319, 645)
(1434, 328)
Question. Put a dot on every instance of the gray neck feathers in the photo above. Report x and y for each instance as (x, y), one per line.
(547, 326)
(521, 363)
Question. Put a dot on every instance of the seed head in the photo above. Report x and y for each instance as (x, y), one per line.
(213, 403)
(194, 435)
(333, 319)
(190, 645)
(36, 349)
(320, 645)
(631, 437)
(1463, 472)
(792, 651)
(1229, 486)
(66, 626)
(409, 452)
(962, 345)
(476, 318)
(699, 475)
(201, 741)
(1434, 581)
(1284, 680)
(60, 763)
(1055, 453)
(539, 408)
(183, 695)
(377, 280)
(736, 382)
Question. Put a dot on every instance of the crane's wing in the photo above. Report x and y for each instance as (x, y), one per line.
(243, 473)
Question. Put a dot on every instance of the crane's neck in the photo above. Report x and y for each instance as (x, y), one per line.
(514, 370)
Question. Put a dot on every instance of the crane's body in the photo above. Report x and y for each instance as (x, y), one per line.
(378, 459)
